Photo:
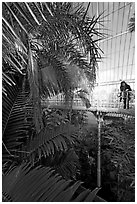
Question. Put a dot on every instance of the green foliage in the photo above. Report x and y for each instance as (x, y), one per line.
(41, 42)
(58, 29)
(49, 140)
(8, 98)
(45, 47)
(54, 117)
(50, 148)
(54, 73)
(17, 124)
(117, 160)
(20, 137)
(40, 184)
(66, 163)
(119, 140)
(131, 24)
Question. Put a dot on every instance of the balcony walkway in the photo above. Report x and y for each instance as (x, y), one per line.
(105, 110)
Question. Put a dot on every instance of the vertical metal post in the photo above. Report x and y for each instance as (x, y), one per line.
(99, 151)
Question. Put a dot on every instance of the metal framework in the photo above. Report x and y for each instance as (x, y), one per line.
(119, 47)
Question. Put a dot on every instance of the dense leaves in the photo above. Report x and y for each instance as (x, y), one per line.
(45, 46)
(49, 43)
(58, 29)
(41, 185)
(51, 147)
(117, 160)
(120, 150)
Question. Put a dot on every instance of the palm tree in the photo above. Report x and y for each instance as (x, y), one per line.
(45, 48)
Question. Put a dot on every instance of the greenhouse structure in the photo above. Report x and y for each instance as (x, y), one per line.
(68, 101)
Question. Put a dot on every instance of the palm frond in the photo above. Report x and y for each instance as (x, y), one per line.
(7, 104)
(15, 17)
(65, 163)
(48, 141)
(15, 115)
(54, 29)
(17, 133)
(68, 164)
(23, 14)
(131, 24)
(16, 37)
(14, 62)
(70, 61)
(70, 23)
(85, 14)
(16, 123)
(7, 79)
(23, 184)
(32, 13)
(57, 73)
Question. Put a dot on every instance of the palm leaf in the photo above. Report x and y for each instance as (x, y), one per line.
(48, 141)
(7, 79)
(16, 17)
(9, 41)
(13, 33)
(46, 4)
(57, 29)
(7, 104)
(36, 4)
(131, 24)
(15, 126)
(57, 73)
(23, 14)
(65, 163)
(17, 132)
(32, 13)
(23, 184)
(14, 62)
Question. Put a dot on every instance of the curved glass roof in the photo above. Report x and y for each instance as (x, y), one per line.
(119, 46)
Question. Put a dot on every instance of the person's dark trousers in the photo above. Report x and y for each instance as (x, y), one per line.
(126, 103)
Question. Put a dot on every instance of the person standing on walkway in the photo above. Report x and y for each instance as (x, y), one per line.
(125, 94)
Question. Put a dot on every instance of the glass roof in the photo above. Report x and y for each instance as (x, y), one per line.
(119, 46)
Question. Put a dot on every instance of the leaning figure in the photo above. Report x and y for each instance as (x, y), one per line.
(125, 94)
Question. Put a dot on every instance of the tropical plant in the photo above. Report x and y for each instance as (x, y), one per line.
(45, 46)
(26, 152)
(42, 186)
(117, 160)
(131, 24)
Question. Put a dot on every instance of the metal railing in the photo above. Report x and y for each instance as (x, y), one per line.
(111, 103)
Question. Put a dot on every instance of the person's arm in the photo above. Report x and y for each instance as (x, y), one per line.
(128, 88)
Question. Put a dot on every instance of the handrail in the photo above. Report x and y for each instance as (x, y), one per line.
(106, 110)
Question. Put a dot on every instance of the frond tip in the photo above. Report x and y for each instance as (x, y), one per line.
(40, 184)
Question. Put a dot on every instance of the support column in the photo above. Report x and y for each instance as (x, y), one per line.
(100, 120)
